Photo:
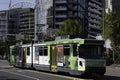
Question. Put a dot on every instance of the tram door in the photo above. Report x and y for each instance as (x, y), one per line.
(60, 56)
(24, 57)
(53, 58)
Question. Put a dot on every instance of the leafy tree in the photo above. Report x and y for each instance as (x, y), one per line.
(70, 27)
(112, 31)
(109, 20)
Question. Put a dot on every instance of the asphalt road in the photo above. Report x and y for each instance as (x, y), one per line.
(11, 73)
(8, 72)
(22, 74)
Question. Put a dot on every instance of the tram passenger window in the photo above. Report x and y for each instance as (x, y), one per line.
(74, 50)
(66, 50)
(40, 51)
(45, 51)
(28, 51)
(20, 51)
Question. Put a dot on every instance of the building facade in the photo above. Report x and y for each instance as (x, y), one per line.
(21, 21)
(27, 23)
(113, 6)
(14, 21)
(95, 12)
(116, 7)
(52, 13)
(3, 24)
(108, 6)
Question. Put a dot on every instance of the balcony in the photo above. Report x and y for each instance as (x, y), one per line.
(95, 5)
(72, 1)
(59, 23)
(97, 2)
(60, 8)
(60, 1)
(94, 16)
(95, 10)
(94, 27)
(60, 16)
(94, 21)
(93, 34)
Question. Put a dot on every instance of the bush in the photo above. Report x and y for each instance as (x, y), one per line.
(117, 54)
(109, 60)
(117, 61)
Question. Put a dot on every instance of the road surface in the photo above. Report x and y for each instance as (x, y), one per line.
(8, 72)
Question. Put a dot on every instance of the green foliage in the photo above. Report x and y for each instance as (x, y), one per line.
(70, 27)
(112, 31)
(109, 60)
(117, 54)
(110, 21)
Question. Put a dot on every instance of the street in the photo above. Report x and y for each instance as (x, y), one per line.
(11, 73)
(21, 74)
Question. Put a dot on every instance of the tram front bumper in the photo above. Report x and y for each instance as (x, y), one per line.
(97, 70)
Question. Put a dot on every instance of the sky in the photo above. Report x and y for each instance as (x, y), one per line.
(4, 4)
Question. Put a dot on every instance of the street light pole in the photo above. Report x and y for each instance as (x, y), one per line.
(32, 53)
(36, 21)
(103, 24)
(113, 56)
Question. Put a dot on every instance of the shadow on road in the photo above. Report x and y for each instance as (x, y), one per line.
(107, 77)
(6, 78)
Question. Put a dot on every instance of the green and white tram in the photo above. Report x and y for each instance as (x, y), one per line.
(74, 56)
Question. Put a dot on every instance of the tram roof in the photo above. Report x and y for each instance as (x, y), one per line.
(63, 41)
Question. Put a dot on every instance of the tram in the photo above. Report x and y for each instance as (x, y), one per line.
(74, 56)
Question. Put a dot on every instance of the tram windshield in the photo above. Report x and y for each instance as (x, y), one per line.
(91, 51)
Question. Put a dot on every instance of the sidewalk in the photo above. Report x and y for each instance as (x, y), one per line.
(4, 64)
(115, 65)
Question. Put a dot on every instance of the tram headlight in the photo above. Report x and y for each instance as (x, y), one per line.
(82, 63)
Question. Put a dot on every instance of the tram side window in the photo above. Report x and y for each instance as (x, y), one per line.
(14, 52)
(19, 52)
(40, 51)
(45, 51)
(75, 50)
(66, 50)
(28, 51)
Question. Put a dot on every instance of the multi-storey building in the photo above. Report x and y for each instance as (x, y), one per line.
(95, 11)
(14, 21)
(108, 6)
(21, 21)
(116, 7)
(52, 13)
(27, 23)
(3, 24)
(112, 6)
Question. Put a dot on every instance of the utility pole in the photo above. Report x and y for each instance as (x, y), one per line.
(36, 20)
(103, 21)
(10, 4)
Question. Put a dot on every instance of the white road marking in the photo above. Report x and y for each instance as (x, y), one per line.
(20, 75)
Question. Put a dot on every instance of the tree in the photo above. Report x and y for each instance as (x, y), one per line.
(70, 27)
(109, 22)
(112, 31)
